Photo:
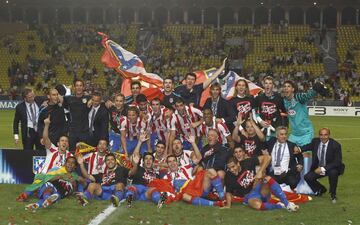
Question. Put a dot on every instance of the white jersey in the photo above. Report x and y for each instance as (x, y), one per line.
(182, 123)
(96, 163)
(221, 129)
(180, 174)
(54, 158)
(133, 130)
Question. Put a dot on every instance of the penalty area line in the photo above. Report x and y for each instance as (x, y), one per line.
(103, 215)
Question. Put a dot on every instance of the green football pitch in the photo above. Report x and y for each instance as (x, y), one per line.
(318, 211)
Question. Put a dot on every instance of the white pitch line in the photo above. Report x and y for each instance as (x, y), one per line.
(103, 215)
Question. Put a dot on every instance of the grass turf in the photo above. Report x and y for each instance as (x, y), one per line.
(318, 211)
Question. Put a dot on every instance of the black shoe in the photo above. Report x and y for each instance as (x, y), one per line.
(320, 192)
(162, 200)
(129, 201)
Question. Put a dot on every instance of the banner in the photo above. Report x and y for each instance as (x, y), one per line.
(333, 111)
(19, 166)
(8, 104)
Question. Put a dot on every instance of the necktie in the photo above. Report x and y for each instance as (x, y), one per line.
(33, 118)
(278, 156)
(92, 120)
(322, 156)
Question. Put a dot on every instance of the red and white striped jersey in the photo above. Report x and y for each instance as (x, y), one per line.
(54, 158)
(182, 123)
(160, 124)
(180, 174)
(185, 161)
(96, 163)
(221, 128)
(133, 129)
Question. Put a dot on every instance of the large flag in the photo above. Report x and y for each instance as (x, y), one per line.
(151, 91)
(126, 63)
(228, 86)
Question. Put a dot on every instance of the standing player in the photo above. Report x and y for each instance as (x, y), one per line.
(160, 122)
(130, 128)
(302, 131)
(169, 94)
(116, 111)
(242, 102)
(270, 107)
(183, 123)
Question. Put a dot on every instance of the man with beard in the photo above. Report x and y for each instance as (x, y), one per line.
(135, 88)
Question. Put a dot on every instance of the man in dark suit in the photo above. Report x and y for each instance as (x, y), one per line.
(286, 159)
(27, 114)
(326, 161)
(98, 120)
(220, 108)
(58, 120)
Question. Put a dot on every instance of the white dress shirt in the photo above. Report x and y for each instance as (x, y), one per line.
(284, 156)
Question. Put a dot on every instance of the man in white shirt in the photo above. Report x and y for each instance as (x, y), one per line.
(27, 114)
(286, 159)
(326, 161)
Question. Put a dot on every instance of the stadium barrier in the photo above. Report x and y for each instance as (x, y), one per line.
(333, 111)
(19, 167)
(8, 104)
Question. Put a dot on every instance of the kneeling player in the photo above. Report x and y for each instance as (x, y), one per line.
(242, 177)
(145, 174)
(109, 185)
(55, 184)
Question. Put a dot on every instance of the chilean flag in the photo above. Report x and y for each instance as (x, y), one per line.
(126, 63)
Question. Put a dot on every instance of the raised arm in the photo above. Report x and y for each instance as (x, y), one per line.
(235, 133)
(83, 170)
(46, 138)
(215, 75)
(197, 152)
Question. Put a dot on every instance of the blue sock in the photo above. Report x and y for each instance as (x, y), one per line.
(119, 194)
(88, 195)
(201, 201)
(155, 197)
(216, 183)
(278, 192)
(270, 206)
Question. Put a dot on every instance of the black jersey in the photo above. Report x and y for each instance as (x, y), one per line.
(270, 109)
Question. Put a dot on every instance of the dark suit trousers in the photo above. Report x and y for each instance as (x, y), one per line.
(289, 178)
(311, 178)
(32, 139)
(76, 136)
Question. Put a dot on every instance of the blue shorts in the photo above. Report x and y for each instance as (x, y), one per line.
(139, 195)
(255, 193)
(47, 186)
(106, 193)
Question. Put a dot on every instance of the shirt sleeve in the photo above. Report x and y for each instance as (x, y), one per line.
(197, 111)
(229, 185)
(224, 130)
(172, 124)
(305, 97)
